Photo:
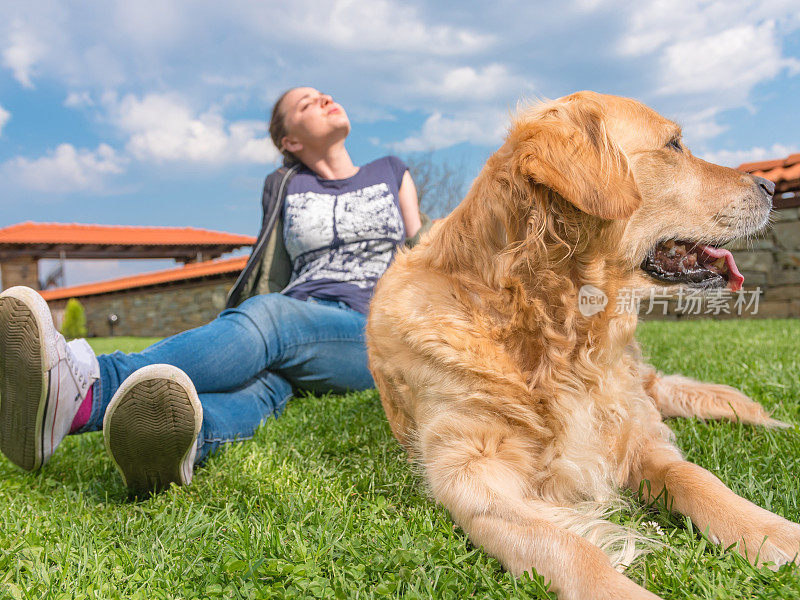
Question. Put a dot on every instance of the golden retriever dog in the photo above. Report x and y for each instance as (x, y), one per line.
(526, 416)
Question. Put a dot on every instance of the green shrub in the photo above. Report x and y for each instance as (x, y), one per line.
(74, 325)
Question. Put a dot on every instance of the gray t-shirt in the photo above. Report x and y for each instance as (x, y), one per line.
(341, 234)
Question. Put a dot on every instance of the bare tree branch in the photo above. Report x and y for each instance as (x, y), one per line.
(441, 185)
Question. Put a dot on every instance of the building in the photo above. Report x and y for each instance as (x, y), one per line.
(24, 244)
(152, 304)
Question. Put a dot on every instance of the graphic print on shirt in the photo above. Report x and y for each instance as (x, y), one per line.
(349, 237)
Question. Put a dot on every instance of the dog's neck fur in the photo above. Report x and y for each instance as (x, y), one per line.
(532, 248)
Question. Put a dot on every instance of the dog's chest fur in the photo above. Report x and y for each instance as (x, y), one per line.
(582, 403)
(596, 411)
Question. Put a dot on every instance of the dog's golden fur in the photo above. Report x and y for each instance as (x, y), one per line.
(527, 416)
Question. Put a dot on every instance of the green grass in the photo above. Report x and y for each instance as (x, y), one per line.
(126, 344)
(323, 503)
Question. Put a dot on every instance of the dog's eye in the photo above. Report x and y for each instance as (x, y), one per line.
(675, 145)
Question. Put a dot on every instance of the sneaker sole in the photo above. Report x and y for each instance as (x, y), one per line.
(23, 377)
(151, 427)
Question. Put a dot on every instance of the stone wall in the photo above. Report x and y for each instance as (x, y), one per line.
(19, 271)
(771, 263)
(157, 311)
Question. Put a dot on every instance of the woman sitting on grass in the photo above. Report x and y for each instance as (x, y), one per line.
(329, 232)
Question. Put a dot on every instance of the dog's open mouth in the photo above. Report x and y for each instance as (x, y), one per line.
(694, 264)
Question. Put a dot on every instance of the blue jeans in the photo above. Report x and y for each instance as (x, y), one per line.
(245, 363)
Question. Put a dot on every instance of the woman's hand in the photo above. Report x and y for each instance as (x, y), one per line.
(409, 205)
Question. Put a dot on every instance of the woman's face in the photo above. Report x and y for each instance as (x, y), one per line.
(312, 119)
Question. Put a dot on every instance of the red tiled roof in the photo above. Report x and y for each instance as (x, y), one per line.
(777, 170)
(186, 272)
(78, 233)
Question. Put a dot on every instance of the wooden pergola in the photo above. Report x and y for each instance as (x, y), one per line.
(24, 244)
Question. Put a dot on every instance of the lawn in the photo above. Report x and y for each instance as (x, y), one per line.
(323, 504)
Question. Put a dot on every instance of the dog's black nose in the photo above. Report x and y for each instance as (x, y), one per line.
(766, 185)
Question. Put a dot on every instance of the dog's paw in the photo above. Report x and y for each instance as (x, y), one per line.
(775, 544)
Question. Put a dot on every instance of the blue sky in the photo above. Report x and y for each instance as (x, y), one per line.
(153, 113)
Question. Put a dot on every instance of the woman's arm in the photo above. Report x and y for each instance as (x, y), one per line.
(409, 205)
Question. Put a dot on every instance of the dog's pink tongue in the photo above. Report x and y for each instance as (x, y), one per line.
(735, 278)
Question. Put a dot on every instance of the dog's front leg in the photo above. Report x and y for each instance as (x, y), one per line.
(729, 519)
(678, 396)
(477, 470)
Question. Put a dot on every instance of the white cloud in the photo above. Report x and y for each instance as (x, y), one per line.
(78, 100)
(21, 53)
(660, 23)
(387, 60)
(469, 84)
(706, 58)
(732, 61)
(164, 128)
(257, 45)
(4, 117)
(227, 81)
(151, 24)
(718, 51)
(367, 112)
(469, 105)
(702, 126)
(484, 127)
(65, 169)
(734, 158)
(374, 26)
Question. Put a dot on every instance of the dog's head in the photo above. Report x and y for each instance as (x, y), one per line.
(623, 170)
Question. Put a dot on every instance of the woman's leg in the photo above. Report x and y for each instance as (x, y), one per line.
(315, 345)
(234, 416)
(157, 427)
(220, 356)
(318, 346)
(322, 348)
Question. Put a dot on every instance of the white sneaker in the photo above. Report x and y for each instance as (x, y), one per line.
(43, 379)
(151, 427)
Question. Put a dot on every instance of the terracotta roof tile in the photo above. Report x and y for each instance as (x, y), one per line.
(777, 170)
(184, 273)
(760, 165)
(79, 233)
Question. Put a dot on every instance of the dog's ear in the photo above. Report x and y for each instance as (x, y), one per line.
(566, 147)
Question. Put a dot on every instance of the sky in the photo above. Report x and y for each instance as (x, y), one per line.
(154, 112)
